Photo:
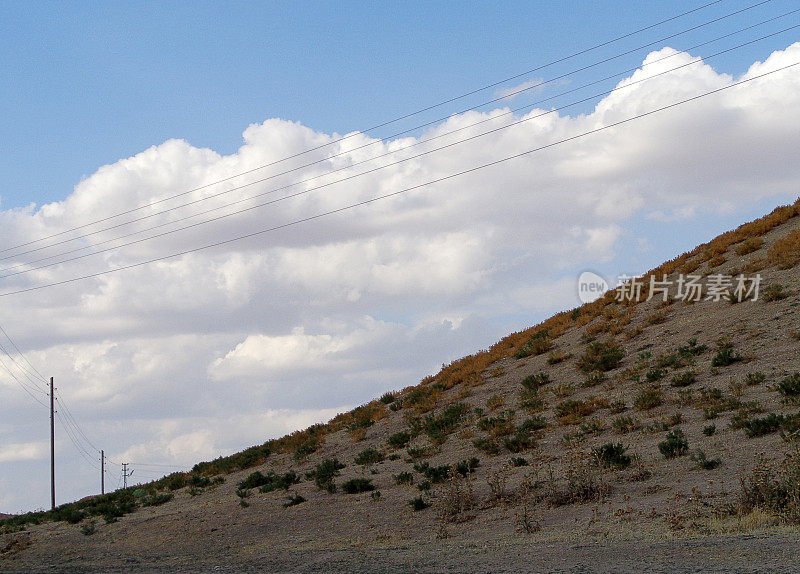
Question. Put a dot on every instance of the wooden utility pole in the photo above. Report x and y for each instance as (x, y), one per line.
(102, 472)
(52, 448)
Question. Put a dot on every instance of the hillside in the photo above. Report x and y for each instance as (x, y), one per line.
(658, 425)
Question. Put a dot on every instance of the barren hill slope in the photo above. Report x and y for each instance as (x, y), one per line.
(634, 418)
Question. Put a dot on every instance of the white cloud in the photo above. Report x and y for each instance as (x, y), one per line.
(188, 354)
(23, 451)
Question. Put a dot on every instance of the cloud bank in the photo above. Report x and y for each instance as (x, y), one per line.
(207, 353)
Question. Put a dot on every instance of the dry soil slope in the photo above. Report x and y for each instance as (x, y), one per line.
(682, 366)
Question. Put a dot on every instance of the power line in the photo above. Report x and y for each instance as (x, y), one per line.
(399, 192)
(349, 166)
(373, 170)
(21, 354)
(412, 114)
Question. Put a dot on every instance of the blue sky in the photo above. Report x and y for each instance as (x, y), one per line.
(108, 106)
(88, 83)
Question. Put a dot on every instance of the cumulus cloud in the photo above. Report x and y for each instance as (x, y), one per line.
(209, 352)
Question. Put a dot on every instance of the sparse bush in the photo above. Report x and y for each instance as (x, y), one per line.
(648, 399)
(535, 381)
(583, 484)
(710, 430)
(557, 357)
(357, 485)
(387, 398)
(498, 426)
(789, 387)
(684, 379)
(675, 445)
(369, 456)
(486, 445)
(536, 345)
(749, 246)
(612, 455)
(601, 356)
(417, 452)
(775, 293)
(530, 400)
(654, 375)
(756, 378)
(294, 500)
(157, 499)
(518, 461)
(625, 424)
(774, 489)
(89, 528)
(785, 252)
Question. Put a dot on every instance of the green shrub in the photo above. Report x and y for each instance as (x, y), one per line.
(710, 430)
(440, 426)
(654, 375)
(466, 467)
(399, 439)
(601, 356)
(724, 357)
(88, 529)
(704, 462)
(387, 398)
(693, 349)
(197, 481)
(675, 445)
(518, 461)
(357, 485)
(324, 473)
(756, 378)
(435, 474)
(176, 480)
(369, 456)
(404, 477)
(418, 504)
(612, 455)
(772, 423)
(270, 481)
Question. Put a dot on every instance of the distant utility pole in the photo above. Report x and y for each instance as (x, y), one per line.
(52, 448)
(102, 472)
(125, 474)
